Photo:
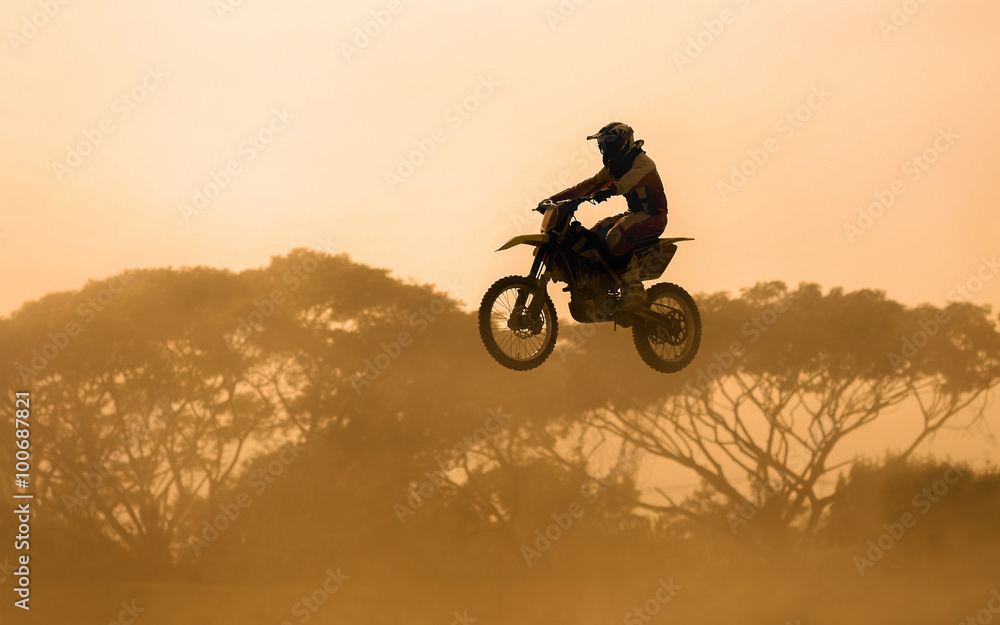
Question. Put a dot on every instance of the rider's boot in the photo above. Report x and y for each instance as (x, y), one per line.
(633, 295)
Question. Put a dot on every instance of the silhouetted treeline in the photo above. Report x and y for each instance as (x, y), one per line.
(315, 414)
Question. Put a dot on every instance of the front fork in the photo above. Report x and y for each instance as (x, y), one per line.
(531, 318)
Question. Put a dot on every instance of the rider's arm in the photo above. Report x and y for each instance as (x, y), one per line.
(587, 187)
(641, 167)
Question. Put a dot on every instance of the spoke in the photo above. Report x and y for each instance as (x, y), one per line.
(672, 308)
(518, 345)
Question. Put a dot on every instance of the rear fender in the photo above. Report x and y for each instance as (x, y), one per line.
(654, 260)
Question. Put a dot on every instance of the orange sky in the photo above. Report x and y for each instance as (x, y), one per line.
(298, 118)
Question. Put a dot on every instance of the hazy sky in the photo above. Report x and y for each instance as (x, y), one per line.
(159, 98)
(198, 132)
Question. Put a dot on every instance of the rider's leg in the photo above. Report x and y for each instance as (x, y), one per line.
(633, 294)
(597, 234)
(621, 239)
(632, 227)
(595, 247)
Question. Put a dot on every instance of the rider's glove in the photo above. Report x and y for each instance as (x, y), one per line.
(603, 195)
(543, 206)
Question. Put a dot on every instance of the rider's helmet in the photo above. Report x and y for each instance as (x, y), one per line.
(615, 140)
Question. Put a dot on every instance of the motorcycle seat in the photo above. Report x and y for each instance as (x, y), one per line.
(643, 244)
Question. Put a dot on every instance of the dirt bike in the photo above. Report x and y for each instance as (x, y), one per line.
(517, 319)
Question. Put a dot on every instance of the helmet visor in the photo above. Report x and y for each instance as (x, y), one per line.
(609, 144)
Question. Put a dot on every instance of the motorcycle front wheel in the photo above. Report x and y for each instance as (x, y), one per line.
(510, 335)
(669, 344)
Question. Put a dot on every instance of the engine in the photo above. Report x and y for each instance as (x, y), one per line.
(592, 301)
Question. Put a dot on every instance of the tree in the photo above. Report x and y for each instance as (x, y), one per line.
(785, 377)
(137, 405)
(154, 390)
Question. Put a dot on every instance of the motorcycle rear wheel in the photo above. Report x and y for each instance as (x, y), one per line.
(671, 346)
(510, 336)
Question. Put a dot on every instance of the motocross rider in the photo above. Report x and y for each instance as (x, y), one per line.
(627, 171)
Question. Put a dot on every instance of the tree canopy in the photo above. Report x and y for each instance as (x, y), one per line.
(204, 422)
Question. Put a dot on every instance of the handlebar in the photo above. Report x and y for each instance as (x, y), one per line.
(546, 204)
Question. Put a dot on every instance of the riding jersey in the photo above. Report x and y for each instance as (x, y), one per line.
(634, 176)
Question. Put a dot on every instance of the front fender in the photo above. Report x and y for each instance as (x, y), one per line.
(526, 239)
